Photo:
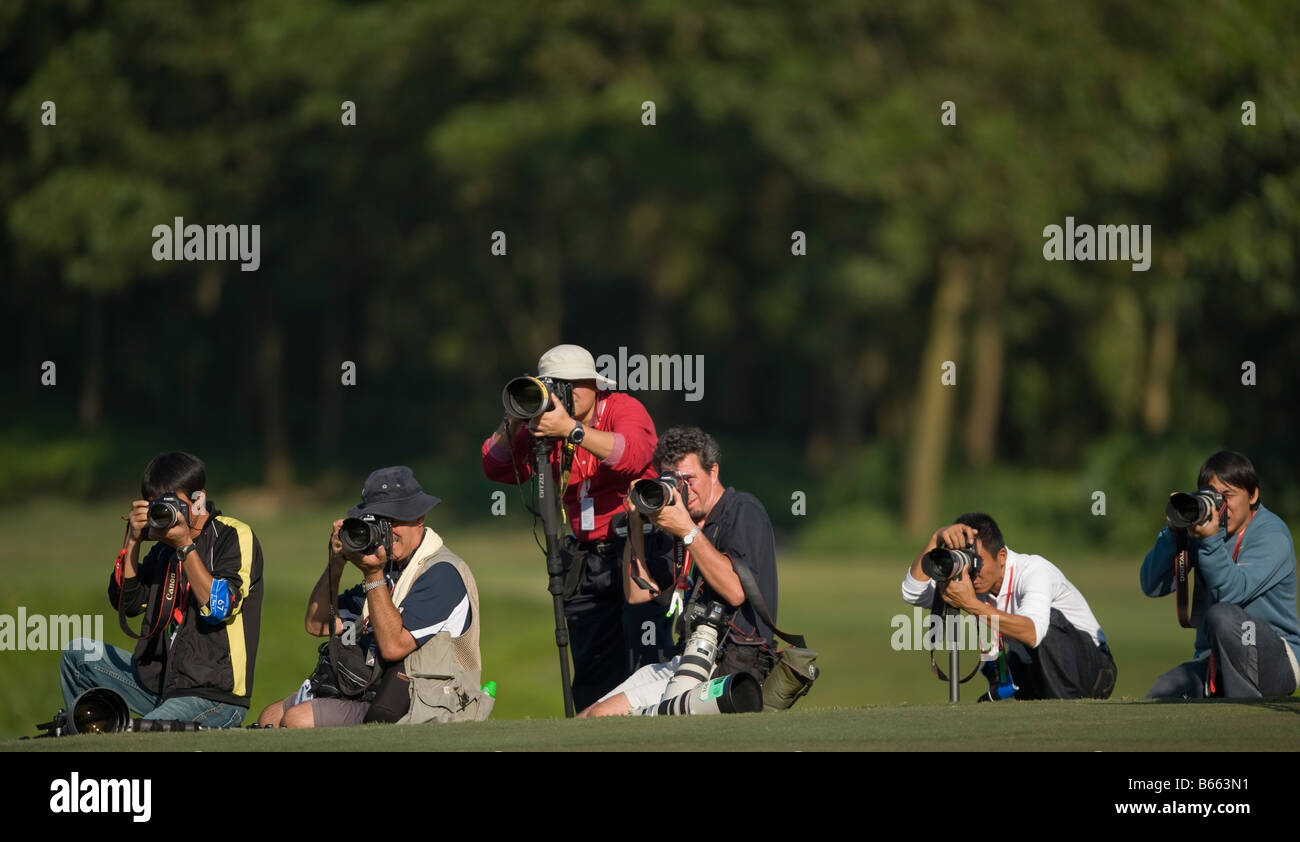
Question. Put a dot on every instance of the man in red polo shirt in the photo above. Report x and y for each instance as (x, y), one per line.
(613, 440)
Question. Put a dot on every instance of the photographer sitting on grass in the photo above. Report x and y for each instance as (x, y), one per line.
(1051, 646)
(406, 640)
(1244, 602)
(200, 590)
(722, 530)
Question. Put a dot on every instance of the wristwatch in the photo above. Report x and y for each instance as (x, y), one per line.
(577, 434)
(184, 551)
(690, 536)
(370, 586)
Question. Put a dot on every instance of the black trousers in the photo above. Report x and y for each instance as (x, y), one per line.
(608, 639)
(1065, 664)
(1250, 661)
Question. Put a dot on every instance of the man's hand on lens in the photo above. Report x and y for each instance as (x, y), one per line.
(956, 536)
(337, 558)
(138, 520)
(960, 593)
(634, 518)
(556, 422)
(674, 519)
(177, 537)
(1205, 530)
(373, 563)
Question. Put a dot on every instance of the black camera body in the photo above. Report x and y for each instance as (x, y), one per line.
(1193, 509)
(713, 614)
(167, 511)
(365, 534)
(528, 397)
(650, 496)
(946, 564)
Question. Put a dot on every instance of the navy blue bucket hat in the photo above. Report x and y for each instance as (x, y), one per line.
(393, 493)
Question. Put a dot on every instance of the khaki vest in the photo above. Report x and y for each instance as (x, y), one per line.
(446, 672)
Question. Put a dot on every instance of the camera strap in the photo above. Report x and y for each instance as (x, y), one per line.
(1187, 575)
(171, 595)
(939, 608)
(755, 598)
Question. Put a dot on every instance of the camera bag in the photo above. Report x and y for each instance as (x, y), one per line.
(794, 671)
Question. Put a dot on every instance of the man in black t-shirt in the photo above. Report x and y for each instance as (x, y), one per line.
(722, 530)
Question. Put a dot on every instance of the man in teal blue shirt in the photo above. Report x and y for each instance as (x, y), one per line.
(1248, 640)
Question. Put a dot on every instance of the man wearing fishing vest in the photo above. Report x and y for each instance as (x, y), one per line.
(415, 613)
(1243, 604)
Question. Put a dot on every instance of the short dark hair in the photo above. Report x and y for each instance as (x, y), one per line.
(987, 529)
(175, 471)
(678, 442)
(1232, 468)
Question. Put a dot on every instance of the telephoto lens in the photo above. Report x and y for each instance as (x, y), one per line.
(1185, 510)
(363, 535)
(99, 710)
(525, 398)
(736, 693)
(166, 512)
(649, 496)
(943, 564)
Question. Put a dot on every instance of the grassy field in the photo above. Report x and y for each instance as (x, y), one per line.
(59, 560)
(1021, 726)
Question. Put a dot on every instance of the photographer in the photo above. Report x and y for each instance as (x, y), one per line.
(612, 440)
(414, 619)
(1248, 637)
(200, 591)
(1052, 644)
(722, 530)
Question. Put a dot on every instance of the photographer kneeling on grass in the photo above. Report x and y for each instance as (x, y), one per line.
(1242, 560)
(200, 590)
(404, 646)
(1050, 645)
(724, 534)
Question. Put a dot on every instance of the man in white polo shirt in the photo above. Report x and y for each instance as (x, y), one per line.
(1054, 647)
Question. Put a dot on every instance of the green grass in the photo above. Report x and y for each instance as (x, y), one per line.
(1022, 726)
(58, 558)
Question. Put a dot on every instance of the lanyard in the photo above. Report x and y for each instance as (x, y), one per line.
(579, 459)
(1240, 535)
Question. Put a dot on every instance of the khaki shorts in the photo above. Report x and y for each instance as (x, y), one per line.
(328, 713)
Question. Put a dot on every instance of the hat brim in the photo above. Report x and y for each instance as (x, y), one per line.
(408, 509)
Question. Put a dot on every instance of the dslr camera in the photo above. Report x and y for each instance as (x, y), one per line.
(1193, 509)
(946, 564)
(649, 496)
(167, 511)
(364, 535)
(528, 397)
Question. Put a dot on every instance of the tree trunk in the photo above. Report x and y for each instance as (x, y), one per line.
(932, 410)
(91, 405)
(278, 462)
(1160, 371)
(985, 404)
(331, 400)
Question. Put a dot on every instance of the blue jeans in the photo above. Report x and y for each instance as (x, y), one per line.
(115, 669)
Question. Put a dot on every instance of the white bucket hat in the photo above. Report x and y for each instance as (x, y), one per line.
(571, 362)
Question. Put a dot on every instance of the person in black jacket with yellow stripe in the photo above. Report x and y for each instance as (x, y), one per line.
(200, 591)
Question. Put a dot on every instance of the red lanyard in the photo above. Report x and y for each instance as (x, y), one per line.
(578, 460)
(1240, 535)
